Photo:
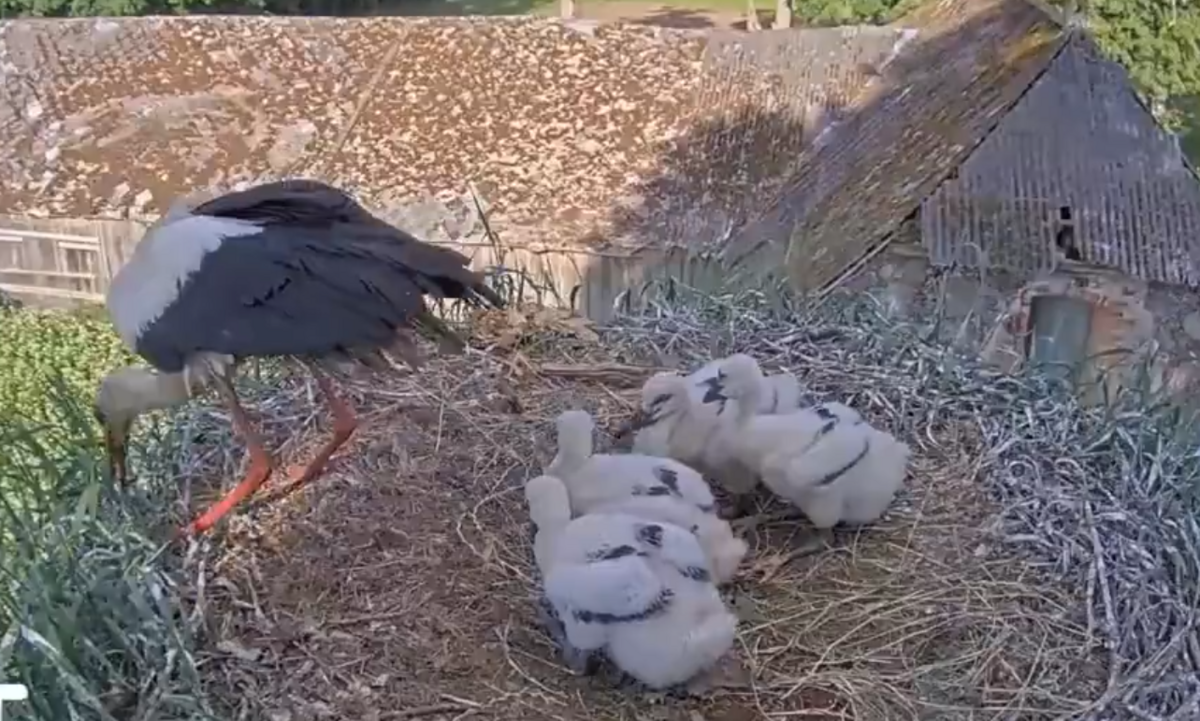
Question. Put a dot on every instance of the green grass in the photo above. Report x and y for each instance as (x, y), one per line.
(90, 617)
(38, 347)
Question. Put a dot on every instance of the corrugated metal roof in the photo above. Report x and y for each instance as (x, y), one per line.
(971, 62)
(1079, 139)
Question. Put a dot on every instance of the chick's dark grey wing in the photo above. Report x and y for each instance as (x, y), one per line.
(295, 290)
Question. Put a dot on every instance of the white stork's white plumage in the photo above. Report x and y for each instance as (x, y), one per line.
(293, 268)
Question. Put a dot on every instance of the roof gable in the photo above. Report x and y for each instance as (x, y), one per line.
(1082, 139)
(904, 134)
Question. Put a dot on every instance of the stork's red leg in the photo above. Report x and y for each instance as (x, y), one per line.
(261, 464)
(344, 425)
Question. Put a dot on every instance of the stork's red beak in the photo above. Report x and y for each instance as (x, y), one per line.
(115, 446)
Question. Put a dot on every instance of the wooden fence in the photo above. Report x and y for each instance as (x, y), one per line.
(64, 262)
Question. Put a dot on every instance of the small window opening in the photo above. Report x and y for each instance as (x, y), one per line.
(1064, 238)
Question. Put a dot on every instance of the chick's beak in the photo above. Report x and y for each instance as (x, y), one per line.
(640, 420)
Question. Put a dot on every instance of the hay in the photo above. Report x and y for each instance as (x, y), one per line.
(1041, 564)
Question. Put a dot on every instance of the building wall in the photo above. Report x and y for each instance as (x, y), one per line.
(989, 313)
(1078, 139)
(908, 285)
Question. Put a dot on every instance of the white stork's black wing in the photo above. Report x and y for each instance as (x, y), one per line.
(319, 275)
(314, 204)
(290, 201)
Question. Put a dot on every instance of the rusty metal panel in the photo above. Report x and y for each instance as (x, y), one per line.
(1081, 139)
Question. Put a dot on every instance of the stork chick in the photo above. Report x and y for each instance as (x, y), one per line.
(593, 478)
(827, 460)
(652, 488)
(294, 268)
(724, 550)
(849, 475)
(641, 591)
(673, 422)
(780, 393)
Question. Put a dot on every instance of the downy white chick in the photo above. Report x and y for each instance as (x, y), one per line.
(827, 460)
(850, 475)
(698, 399)
(593, 478)
(639, 590)
(680, 417)
(658, 489)
(673, 421)
(723, 549)
(781, 392)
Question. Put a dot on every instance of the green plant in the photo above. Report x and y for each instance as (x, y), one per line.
(38, 346)
(90, 618)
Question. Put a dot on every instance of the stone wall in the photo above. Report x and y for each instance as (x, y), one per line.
(989, 313)
(907, 285)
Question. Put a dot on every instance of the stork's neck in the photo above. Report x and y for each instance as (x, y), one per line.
(547, 539)
(574, 450)
(171, 388)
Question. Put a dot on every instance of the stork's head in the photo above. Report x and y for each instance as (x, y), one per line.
(116, 411)
(740, 376)
(125, 394)
(664, 395)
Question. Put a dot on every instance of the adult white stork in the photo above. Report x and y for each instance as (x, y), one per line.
(294, 268)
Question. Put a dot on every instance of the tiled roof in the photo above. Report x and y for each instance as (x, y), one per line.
(971, 61)
(760, 101)
(97, 112)
(607, 133)
(546, 120)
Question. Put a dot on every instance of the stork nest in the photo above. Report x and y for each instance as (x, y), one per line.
(1039, 563)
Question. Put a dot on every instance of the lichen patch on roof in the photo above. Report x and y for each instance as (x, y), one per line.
(103, 116)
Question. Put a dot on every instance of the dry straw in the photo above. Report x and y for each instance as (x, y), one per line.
(1097, 507)
(1041, 564)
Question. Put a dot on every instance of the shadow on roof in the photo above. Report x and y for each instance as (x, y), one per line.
(834, 186)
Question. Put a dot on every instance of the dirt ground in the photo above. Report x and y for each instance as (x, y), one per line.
(399, 586)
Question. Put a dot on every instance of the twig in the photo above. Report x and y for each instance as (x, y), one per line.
(423, 711)
(1112, 640)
